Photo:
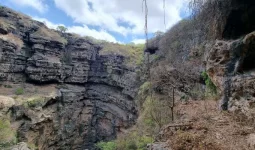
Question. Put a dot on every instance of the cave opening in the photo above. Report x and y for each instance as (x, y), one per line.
(240, 20)
(249, 60)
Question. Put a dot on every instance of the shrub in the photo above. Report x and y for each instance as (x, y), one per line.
(144, 88)
(62, 29)
(130, 141)
(34, 102)
(32, 146)
(106, 145)
(19, 91)
(8, 86)
(211, 88)
(133, 141)
(7, 134)
(157, 111)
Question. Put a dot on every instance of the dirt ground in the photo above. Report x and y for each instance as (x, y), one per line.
(207, 128)
(23, 92)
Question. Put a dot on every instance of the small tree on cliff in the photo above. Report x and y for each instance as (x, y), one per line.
(62, 29)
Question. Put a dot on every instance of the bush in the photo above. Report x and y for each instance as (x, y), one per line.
(8, 86)
(211, 88)
(143, 92)
(32, 146)
(106, 145)
(61, 29)
(130, 141)
(34, 102)
(7, 134)
(133, 141)
(19, 91)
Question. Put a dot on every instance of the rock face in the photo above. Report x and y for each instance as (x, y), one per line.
(20, 146)
(95, 98)
(231, 66)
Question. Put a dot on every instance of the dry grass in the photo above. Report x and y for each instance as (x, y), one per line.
(7, 134)
(22, 18)
(13, 39)
(189, 141)
(211, 129)
(133, 53)
(31, 92)
(6, 25)
(50, 34)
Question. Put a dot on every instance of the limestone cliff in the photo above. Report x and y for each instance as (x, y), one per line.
(92, 98)
(230, 65)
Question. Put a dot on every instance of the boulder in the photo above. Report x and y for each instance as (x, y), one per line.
(20, 146)
(6, 102)
(231, 67)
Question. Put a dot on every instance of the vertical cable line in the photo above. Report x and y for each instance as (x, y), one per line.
(164, 7)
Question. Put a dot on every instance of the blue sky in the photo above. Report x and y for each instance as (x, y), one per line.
(112, 20)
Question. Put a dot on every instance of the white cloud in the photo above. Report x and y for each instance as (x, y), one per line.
(139, 41)
(47, 22)
(86, 31)
(111, 14)
(81, 30)
(36, 4)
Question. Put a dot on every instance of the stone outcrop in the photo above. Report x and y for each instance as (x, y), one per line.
(230, 65)
(95, 93)
(20, 146)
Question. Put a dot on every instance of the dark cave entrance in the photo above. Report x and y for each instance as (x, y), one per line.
(240, 21)
(249, 60)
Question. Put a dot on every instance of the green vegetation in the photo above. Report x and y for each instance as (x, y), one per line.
(62, 29)
(32, 146)
(19, 91)
(133, 53)
(211, 88)
(8, 86)
(131, 141)
(154, 113)
(7, 134)
(34, 102)
(106, 145)
(146, 126)
(144, 89)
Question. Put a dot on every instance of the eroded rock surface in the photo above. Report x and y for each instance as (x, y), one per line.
(230, 65)
(95, 93)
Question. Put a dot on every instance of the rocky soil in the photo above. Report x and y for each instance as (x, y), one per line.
(199, 125)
